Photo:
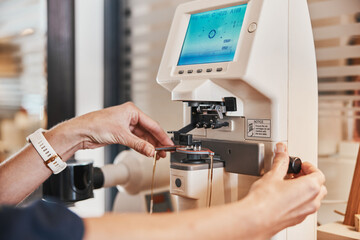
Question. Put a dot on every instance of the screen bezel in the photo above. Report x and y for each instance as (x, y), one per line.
(168, 74)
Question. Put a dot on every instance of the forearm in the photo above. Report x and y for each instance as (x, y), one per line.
(234, 221)
(21, 174)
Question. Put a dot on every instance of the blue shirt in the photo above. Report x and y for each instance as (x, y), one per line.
(41, 220)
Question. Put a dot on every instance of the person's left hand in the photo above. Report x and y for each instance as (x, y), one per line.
(124, 124)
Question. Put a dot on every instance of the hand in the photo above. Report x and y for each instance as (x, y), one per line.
(286, 202)
(124, 124)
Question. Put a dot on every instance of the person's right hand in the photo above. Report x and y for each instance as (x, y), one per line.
(287, 202)
(124, 124)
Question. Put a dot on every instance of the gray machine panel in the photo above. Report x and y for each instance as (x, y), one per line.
(239, 157)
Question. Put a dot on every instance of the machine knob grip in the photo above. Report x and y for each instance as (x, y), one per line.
(294, 165)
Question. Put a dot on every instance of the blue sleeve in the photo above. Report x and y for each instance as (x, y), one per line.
(41, 220)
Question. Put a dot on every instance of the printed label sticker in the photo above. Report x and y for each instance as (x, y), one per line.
(260, 128)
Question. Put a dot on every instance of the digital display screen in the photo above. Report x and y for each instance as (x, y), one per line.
(212, 36)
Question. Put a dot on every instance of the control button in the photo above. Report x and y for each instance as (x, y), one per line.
(190, 71)
(181, 71)
(209, 70)
(178, 182)
(199, 71)
(252, 27)
(219, 69)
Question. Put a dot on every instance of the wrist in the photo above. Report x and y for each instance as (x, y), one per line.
(256, 215)
(65, 139)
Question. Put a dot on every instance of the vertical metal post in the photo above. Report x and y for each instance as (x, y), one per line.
(61, 61)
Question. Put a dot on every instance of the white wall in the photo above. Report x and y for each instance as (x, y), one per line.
(89, 34)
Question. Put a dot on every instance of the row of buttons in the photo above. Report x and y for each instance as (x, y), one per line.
(219, 69)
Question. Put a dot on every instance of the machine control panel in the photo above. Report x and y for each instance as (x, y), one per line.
(201, 69)
(218, 32)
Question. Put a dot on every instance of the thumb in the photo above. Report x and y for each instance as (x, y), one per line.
(281, 161)
(140, 145)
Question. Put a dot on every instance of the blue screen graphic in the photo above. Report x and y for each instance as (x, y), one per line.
(212, 36)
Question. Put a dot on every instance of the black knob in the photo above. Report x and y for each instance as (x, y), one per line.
(178, 182)
(294, 165)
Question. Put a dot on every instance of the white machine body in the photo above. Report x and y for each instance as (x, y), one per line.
(273, 77)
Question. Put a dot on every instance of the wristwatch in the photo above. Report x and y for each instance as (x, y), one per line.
(47, 153)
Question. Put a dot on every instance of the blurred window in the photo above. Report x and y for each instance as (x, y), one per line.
(23, 25)
(336, 28)
(336, 33)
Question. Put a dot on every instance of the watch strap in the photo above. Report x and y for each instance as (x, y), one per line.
(47, 153)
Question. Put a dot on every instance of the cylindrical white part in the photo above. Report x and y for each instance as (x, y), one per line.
(133, 172)
(115, 174)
